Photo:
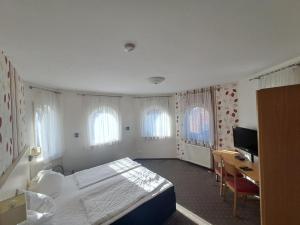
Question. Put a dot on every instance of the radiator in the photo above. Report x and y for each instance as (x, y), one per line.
(198, 154)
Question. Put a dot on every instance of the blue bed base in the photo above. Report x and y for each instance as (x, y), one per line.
(153, 212)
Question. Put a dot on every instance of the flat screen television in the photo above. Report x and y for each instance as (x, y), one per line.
(245, 139)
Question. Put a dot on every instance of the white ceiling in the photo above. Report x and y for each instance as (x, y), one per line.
(78, 44)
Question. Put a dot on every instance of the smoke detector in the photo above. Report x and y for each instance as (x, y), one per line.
(156, 80)
(129, 47)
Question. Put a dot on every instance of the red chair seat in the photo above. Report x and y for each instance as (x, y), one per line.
(244, 186)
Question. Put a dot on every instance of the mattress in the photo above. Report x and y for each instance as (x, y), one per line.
(71, 211)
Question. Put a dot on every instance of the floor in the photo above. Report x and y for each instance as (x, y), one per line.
(197, 191)
(179, 219)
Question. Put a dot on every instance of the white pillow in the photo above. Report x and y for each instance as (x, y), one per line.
(47, 182)
(40, 208)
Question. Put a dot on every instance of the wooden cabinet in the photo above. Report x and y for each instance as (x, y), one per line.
(279, 154)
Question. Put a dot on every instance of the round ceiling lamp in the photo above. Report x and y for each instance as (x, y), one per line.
(156, 80)
(129, 47)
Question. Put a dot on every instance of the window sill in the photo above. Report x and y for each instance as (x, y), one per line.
(104, 145)
(155, 138)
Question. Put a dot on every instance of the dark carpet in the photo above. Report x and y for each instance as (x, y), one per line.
(177, 218)
(197, 191)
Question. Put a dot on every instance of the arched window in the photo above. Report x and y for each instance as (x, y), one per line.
(156, 124)
(104, 126)
(197, 125)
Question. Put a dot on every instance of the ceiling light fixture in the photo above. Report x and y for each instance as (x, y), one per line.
(129, 47)
(156, 80)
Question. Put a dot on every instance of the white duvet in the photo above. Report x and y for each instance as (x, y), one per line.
(107, 201)
(94, 175)
(122, 192)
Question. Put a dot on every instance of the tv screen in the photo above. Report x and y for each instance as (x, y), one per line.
(245, 139)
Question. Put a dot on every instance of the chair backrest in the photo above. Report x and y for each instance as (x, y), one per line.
(230, 169)
(218, 161)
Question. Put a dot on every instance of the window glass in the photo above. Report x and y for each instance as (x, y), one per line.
(156, 124)
(197, 124)
(104, 126)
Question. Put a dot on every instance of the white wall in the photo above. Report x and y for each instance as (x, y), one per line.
(247, 103)
(247, 106)
(77, 157)
(247, 95)
(17, 179)
(165, 148)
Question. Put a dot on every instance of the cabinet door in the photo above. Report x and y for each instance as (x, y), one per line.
(279, 154)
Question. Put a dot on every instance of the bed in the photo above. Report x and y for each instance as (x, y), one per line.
(128, 194)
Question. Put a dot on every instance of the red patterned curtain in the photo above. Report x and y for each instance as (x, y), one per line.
(226, 114)
(12, 113)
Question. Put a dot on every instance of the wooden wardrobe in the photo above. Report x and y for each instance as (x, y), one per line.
(279, 154)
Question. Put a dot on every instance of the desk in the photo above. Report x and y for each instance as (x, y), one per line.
(229, 157)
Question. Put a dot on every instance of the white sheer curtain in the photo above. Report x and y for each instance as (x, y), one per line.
(48, 124)
(154, 117)
(102, 120)
(285, 77)
(196, 116)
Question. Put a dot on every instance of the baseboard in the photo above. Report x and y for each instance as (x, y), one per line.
(155, 158)
(210, 169)
(192, 216)
(195, 164)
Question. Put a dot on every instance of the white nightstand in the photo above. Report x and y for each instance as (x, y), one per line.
(13, 210)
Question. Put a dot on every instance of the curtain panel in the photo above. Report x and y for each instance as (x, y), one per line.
(48, 127)
(196, 116)
(12, 116)
(101, 120)
(284, 77)
(226, 114)
(214, 107)
(154, 117)
(6, 135)
(17, 111)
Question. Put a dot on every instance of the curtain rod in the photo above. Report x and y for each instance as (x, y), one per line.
(168, 96)
(45, 89)
(274, 71)
(119, 96)
(112, 96)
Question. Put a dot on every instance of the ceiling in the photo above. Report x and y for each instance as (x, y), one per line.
(78, 44)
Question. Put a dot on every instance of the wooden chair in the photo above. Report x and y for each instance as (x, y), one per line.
(238, 185)
(218, 168)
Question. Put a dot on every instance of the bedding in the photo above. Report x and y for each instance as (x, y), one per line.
(40, 209)
(74, 205)
(112, 198)
(94, 175)
(47, 182)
